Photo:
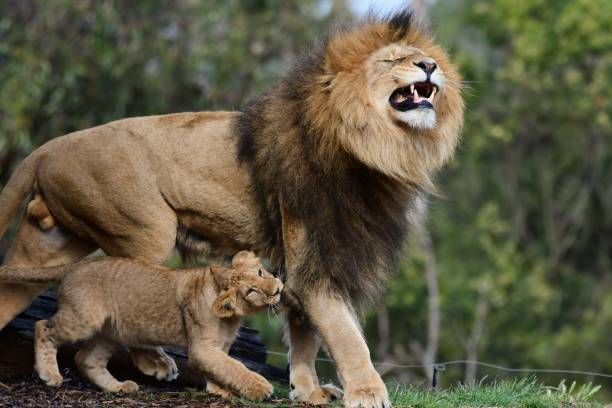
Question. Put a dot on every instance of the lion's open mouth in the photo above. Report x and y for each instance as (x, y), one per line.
(417, 95)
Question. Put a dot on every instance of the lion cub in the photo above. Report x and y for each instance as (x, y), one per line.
(114, 301)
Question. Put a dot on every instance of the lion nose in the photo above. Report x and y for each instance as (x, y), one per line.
(428, 66)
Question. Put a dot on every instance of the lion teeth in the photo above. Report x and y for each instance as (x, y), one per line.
(412, 89)
(433, 93)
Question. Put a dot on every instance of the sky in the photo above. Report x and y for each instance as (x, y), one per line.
(361, 7)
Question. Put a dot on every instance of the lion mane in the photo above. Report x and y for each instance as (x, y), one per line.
(353, 178)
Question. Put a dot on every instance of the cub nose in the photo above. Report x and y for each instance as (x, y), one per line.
(428, 66)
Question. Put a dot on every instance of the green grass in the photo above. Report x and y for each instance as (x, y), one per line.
(524, 393)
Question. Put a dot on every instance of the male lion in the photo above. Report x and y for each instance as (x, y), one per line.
(320, 174)
(113, 301)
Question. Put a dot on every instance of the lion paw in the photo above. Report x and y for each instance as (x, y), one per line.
(367, 397)
(257, 388)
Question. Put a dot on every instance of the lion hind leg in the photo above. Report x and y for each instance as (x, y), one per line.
(34, 247)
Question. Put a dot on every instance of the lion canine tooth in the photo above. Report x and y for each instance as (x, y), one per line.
(433, 93)
(412, 88)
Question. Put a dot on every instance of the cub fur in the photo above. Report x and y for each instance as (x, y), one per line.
(113, 301)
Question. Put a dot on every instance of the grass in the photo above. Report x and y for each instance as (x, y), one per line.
(523, 393)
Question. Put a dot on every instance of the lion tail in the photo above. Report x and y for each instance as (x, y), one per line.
(34, 274)
(16, 190)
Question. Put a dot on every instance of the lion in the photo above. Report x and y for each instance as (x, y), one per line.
(113, 301)
(320, 174)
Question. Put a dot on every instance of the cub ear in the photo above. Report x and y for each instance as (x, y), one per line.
(225, 304)
(242, 257)
(221, 275)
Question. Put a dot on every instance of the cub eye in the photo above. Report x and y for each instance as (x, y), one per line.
(260, 273)
(252, 290)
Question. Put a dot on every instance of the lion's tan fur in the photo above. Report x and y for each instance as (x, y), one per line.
(114, 301)
(319, 174)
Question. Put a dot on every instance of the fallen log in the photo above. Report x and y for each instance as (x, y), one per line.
(17, 351)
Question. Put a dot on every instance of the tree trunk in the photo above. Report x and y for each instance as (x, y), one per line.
(433, 305)
(480, 317)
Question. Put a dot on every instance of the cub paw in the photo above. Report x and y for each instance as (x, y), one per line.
(326, 394)
(367, 397)
(167, 369)
(257, 388)
(322, 395)
(127, 386)
(215, 389)
(51, 379)
(155, 363)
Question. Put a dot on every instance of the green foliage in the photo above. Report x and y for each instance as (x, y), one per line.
(68, 65)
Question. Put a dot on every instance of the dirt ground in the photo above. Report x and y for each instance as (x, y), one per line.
(27, 391)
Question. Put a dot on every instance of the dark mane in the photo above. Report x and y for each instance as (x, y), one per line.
(402, 21)
(355, 216)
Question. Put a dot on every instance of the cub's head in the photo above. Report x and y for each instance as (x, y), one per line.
(245, 288)
(386, 93)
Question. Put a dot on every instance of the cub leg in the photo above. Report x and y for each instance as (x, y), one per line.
(45, 355)
(214, 388)
(71, 324)
(231, 373)
(91, 361)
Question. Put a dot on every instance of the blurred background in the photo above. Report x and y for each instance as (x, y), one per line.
(514, 265)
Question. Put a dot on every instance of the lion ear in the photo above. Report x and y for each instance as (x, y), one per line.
(221, 275)
(225, 304)
(242, 257)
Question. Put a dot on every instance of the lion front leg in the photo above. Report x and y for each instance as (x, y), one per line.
(338, 327)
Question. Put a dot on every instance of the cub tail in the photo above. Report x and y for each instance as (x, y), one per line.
(34, 274)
